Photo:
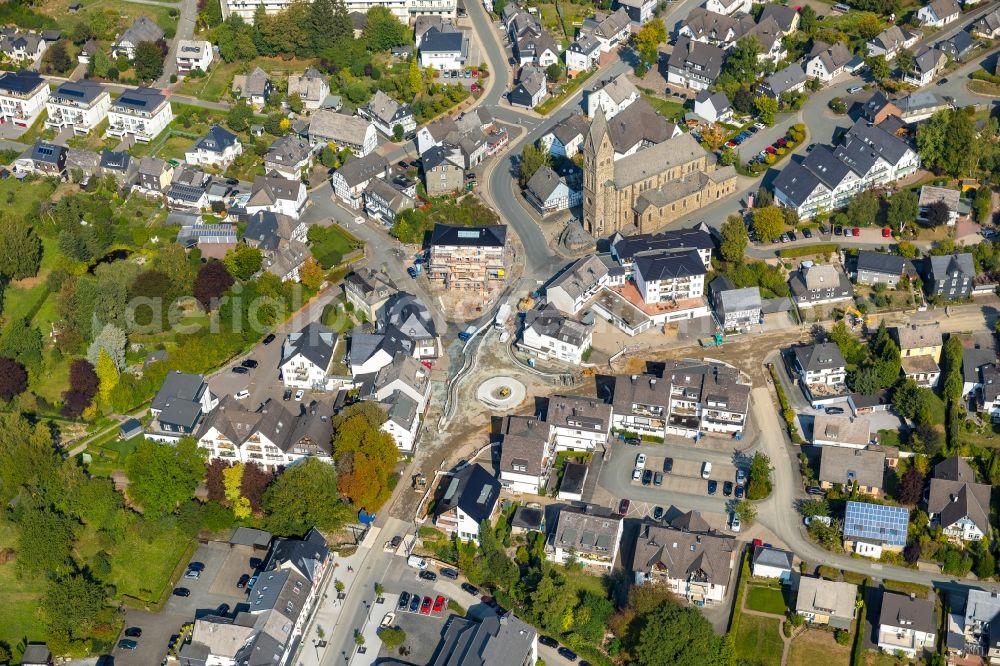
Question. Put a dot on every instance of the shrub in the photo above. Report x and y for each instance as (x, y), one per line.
(842, 636)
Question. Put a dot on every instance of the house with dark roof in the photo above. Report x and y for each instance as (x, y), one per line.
(385, 113)
(850, 467)
(528, 519)
(492, 641)
(728, 6)
(695, 564)
(891, 41)
(591, 537)
(609, 29)
(218, 148)
(786, 17)
(179, 405)
(565, 139)
(959, 46)
(443, 169)
(22, 46)
(43, 158)
(255, 87)
(767, 562)
(311, 87)
(826, 62)
(820, 364)
(988, 26)
(289, 157)
(791, 79)
(713, 107)
(467, 497)
(957, 503)
(573, 481)
(949, 277)
(549, 334)
(119, 165)
(708, 27)
(926, 65)
(583, 54)
(354, 175)
(467, 257)
(625, 249)
(826, 602)
(878, 107)
(306, 357)
(531, 87)
(406, 315)
(694, 65)
(907, 623)
(143, 30)
(155, 176)
(612, 96)
(36, 654)
(879, 268)
(443, 50)
(550, 192)
(277, 195)
(23, 95)
(368, 291)
(141, 113)
(328, 126)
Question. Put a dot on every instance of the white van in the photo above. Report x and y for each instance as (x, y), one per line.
(242, 394)
(416, 562)
(706, 469)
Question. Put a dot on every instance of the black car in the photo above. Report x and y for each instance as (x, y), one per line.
(657, 513)
(449, 573)
(713, 485)
(404, 601)
(395, 541)
(633, 441)
(838, 230)
(566, 653)
(249, 363)
(242, 582)
(240, 370)
(428, 575)
(815, 490)
(792, 236)
(182, 592)
(196, 566)
(739, 492)
(222, 610)
(727, 488)
(232, 181)
(807, 233)
(942, 81)
(414, 602)
(133, 632)
(623, 507)
(287, 395)
(470, 589)
(269, 338)
(255, 562)
(834, 410)
(126, 644)
(548, 641)
(647, 477)
(668, 465)
(658, 479)
(403, 164)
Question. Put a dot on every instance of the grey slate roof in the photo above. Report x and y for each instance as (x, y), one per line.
(822, 356)
(915, 614)
(473, 489)
(847, 465)
(548, 321)
(143, 30)
(495, 641)
(357, 170)
(737, 300)
(880, 262)
(79, 92)
(669, 266)
(455, 234)
(955, 494)
(772, 557)
(436, 41)
(786, 79)
(951, 265)
(783, 15)
(315, 342)
(216, 140)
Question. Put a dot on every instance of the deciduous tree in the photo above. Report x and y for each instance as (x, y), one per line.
(767, 108)
(675, 634)
(243, 261)
(647, 41)
(305, 496)
(232, 479)
(734, 239)
(107, 374)
(533, 158)
(382, 30)
(768, 223)
(83, 385)
(902, 210)
(13, 379)
(161, 476)
(148, 61)
(212, 282)
(311, 273)
(879, 67)
(759, 484)
(20, 249)
(911, 486)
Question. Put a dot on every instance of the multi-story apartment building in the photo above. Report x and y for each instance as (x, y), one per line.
(193, 54)
(670, 277)
(468, 257)
(142, 113)
(590, 537)
(469, 497)
(527, 454)
(578, 423)
(82, 105)
(549, 334)
(22, 97)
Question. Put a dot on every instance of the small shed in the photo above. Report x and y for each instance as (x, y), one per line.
(248, 536)
(129, 429)
(526, 519)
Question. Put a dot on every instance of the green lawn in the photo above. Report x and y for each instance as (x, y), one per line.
(757, 638)
(668, 108)
(766, 600)
(21, 198)
(38, 131)
(815, 646)
(21, 597)
(139, 567)
(331, 244)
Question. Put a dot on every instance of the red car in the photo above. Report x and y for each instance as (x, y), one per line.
(856, 232)
(427, 364)
(886, 232)
(758, 542)
(771, 149)
(782, 142)
(439, 604)
(623, 507)
(425, 608)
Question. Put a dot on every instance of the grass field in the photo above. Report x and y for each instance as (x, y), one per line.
(331, 244)
(117, 12)
(215, 86)
(757, 638)
(814, 646)
(21, 598)
(766, 600)
(668, 108)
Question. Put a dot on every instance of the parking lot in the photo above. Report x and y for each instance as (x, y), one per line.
(214, 587)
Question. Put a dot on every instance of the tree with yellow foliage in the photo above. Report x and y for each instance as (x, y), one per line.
(311, 273)
(107, 374)
(232, 481)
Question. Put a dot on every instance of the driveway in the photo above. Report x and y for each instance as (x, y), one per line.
(157, 628)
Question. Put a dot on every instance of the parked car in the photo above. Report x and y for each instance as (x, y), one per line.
(428, 575)
(741, 476)
(388, 620)
(668, 465)
(792, 236)
(658, 479)
(192, 574)
(414, 602)
(182, 592)
(815, 490)
(449, 573)
(287, 395)
(249, 363)
(251, 582)
(734, 523)
(943, 81)
(806, 233)
(255, 562)
(242, 582)
(126, 644)
(133, 632)
(856, 232)
(886, 232)
(854, 90)
(196, 566)
(222, 610)
(713, 486)
(739, 492)
(706, 469)
(470, 589)
(727, 488)
(548, 641)
(404, 601)
(640, 461)
(566, 653)
(623, 507)
(412, 272)
(657, 513)
(647, 477)
(240, 395)
(633, 441)
(834, 410)
(636, 474)
(403, 164)
(240, 370)
(425, 607)
(269, 338)
(299, 394)
(838, 230)
(439, 604)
